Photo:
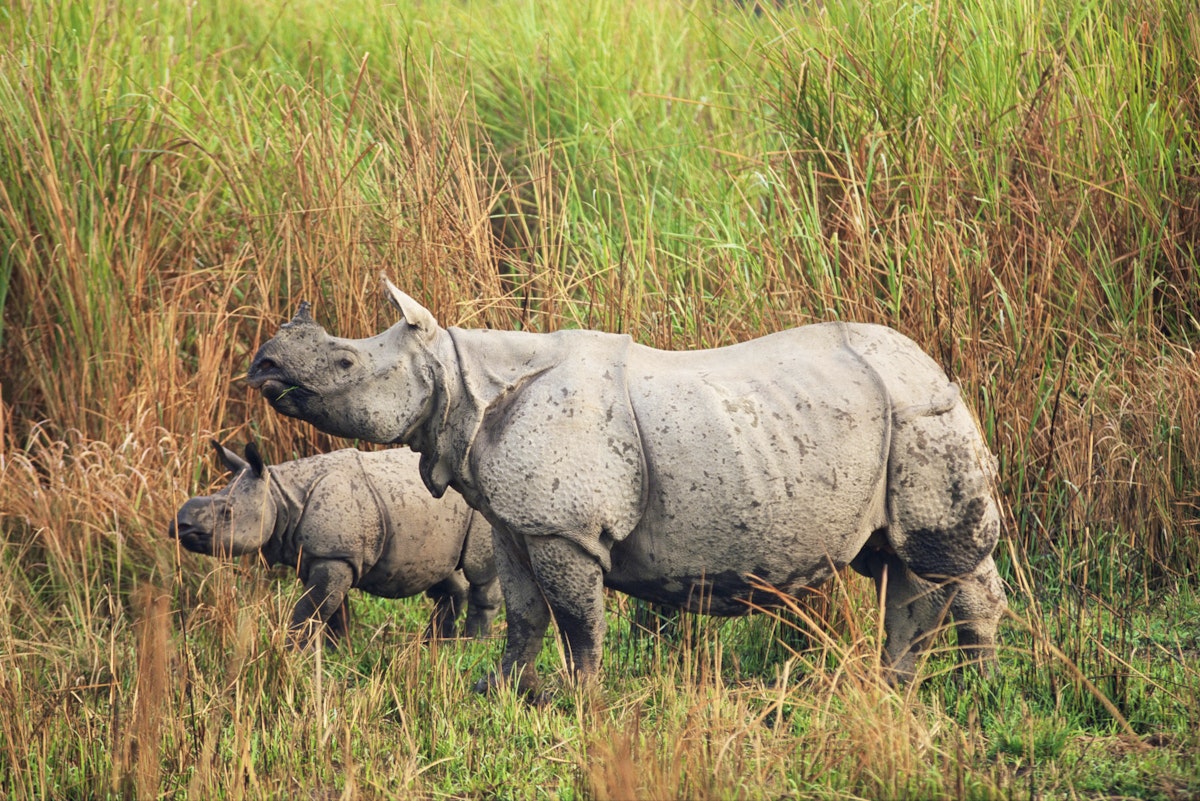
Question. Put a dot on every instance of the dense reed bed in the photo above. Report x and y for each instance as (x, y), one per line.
(1015, 185)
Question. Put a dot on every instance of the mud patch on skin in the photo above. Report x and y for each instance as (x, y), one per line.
(941, 553)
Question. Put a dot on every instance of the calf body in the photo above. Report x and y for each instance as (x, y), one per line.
(350, 519)
(690, 479)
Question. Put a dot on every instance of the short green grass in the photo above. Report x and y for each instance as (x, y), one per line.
(1014, 185)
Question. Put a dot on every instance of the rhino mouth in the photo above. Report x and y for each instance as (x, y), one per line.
(191, 538)
(275, 390)
(200, 540)
(276, 386)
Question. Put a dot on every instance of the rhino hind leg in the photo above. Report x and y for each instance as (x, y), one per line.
(449, 597)
(483, 602)
(479, 567)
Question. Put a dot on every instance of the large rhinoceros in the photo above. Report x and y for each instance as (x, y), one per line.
(349, 519)
(688, 479)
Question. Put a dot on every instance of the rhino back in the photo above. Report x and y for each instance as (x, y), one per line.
(765, 458)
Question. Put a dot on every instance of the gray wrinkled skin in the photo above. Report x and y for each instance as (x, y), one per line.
(688, 479)
(349, 519)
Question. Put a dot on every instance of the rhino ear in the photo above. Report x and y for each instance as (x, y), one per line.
(255, 459)
(414, 313)
(232, 462)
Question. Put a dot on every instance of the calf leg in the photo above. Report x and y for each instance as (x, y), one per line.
(322, 604)
(337, 628)
(573, 584)
(527, 613)
(479, 567)
(449, 596)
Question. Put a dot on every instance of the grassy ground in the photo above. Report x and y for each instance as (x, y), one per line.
(1016, 185)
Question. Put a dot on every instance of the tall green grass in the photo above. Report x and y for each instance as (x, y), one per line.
(1014, 185)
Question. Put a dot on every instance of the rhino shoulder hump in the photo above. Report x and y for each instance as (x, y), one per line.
(562, 454)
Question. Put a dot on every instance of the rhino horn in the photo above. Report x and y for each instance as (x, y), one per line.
(303, 315)
(414, 313)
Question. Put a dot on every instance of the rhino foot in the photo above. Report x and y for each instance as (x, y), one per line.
(527, 686)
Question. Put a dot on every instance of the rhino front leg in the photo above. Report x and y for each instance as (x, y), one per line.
(527, 613)
(573, 584)
(323, 604)
(449, 596)
(337, 628)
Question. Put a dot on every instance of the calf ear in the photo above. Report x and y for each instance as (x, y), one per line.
(255, 459)
(414, 313)
(231, 460)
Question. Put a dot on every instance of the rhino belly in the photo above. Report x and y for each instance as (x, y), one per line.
(405, 575)
(776, 475)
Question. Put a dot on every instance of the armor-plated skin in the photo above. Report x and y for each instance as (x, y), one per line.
(683, 478)
(350, 519)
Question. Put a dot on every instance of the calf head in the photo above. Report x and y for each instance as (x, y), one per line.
(379, 389)
(235, 521)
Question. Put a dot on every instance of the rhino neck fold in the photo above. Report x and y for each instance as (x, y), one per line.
(478, 370)
(279, 548)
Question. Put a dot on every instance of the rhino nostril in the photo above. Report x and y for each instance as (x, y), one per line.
(267, 364)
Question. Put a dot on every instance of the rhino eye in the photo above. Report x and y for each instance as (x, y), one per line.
(345, 363)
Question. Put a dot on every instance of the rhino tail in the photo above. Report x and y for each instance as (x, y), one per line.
(944, 401)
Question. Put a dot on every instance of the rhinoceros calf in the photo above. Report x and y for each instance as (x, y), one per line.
(349, 519)
(688, 479)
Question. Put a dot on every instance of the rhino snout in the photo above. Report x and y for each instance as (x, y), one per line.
(263, 371)
(191, 537)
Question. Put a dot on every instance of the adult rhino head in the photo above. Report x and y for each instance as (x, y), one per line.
(375, 389)
(690, 479)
